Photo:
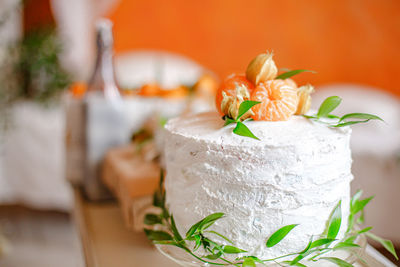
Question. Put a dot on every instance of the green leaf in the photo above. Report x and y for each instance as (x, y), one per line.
(355, 198)
(360, 204)
(387, 244)
(209, 219)
(246, 106)
(331, 116)
(175, 231)
(214, 256)
(307, 247)
(291, 73)
(345, 245)
(367, 229)
(248, 262)
(192, 229)
(159, 195)
(299, 258)
(350, 224)
(348, 123)
(161, 181)
(361, 219)
(337, 261)
(232, 250)
(170, 243)
(228, 121)
(310, 117)
(254, 258)
(163, 121)
(157, 235)
(157, 200)
(242, 130)
(307, 251)
(280, 234)
(220, 235)
(198, 242)
(321, 242)
(151, 219)
(361, 116)
(294, 264)
(206, 226)
(328, 106)
(335, 221)
(165, 213)
(350, 239)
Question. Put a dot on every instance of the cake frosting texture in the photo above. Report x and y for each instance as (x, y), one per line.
(295, 174)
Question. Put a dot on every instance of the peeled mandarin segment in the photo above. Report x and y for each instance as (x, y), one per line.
(278, 101)
(229, 87)
(290, 82)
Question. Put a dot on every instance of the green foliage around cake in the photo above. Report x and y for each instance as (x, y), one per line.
(323, 115)
(329, 105)
(199, 240)
(290, 73)
(241, 129)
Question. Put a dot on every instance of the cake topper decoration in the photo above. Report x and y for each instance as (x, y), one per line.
(265, 96)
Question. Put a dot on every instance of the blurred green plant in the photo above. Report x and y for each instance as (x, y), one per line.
(30, 70)
(39, 74)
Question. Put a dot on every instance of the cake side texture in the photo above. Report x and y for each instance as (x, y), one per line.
(296, 174)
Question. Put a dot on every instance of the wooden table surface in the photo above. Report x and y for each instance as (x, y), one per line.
(107, 243)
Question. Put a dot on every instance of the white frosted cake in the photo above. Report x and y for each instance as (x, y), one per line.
(295, 174)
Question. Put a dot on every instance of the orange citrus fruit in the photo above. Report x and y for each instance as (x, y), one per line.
(290, 82)
(229, 87)
(151, 89)
(278, 100)
(178, 92)
(78, 89)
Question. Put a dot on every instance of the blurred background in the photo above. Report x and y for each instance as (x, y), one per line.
(48, 54)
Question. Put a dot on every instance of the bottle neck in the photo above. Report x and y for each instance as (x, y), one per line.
(103, 78)
(106, 66)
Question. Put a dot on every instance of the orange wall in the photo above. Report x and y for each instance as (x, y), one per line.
(37, 14)
(343, 40)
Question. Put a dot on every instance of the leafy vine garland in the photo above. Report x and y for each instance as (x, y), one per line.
(214, 253)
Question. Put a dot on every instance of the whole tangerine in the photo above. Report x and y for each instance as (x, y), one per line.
(229, 87)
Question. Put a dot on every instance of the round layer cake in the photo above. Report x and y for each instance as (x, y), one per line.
(296, 174)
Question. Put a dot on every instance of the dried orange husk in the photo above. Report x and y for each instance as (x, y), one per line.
(230, 104)
(262, 68)
(304, 94)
